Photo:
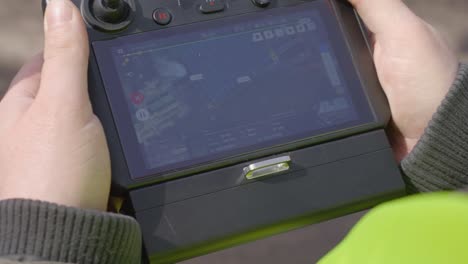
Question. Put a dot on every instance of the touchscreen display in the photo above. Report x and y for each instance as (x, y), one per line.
(212, 90)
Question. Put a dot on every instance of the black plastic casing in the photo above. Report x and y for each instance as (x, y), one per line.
(212, 206)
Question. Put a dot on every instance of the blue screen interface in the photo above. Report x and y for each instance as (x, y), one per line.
(220, 89)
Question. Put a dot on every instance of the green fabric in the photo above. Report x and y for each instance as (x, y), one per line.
(40, 231)
(440, 159)
(422, 229)
(5, 261)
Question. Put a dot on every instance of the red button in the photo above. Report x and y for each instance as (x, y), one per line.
(162, 16)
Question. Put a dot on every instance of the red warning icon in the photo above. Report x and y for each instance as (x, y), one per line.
(137, 98)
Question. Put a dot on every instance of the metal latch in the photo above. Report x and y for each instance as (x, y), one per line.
(267, 167)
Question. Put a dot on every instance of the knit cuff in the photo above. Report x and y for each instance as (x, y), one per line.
(58, 233)
(440, 159)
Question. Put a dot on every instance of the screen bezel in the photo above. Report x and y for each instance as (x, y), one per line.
(338, 41)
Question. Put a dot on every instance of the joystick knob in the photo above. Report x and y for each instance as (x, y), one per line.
(111, 11)
(108, 15)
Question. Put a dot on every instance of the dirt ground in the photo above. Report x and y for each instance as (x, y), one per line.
(21, 37)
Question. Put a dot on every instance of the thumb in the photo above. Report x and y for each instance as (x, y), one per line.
(385, 16)
(64, 86)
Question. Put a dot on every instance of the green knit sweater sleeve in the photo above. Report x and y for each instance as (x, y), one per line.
(39, 231)
(440, 159)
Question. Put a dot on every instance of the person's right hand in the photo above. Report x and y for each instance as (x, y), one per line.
(414, 65)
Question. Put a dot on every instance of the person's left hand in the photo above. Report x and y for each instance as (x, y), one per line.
(52, 146)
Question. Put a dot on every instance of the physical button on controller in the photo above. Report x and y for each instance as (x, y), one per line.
(212, 6)
(162, 16)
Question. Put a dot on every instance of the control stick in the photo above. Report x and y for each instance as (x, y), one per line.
(110, 11)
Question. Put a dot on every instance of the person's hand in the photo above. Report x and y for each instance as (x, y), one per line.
(52, 146)
(414, 65)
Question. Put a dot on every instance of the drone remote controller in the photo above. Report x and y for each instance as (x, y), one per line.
(230, 120)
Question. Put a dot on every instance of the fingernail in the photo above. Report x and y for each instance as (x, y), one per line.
(58, 12)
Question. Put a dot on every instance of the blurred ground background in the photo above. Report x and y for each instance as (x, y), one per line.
(21, 38)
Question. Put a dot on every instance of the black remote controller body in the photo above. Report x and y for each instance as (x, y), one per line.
(231, 120)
